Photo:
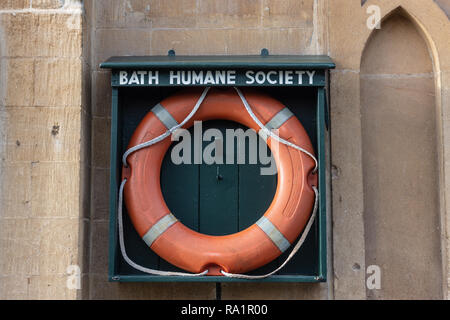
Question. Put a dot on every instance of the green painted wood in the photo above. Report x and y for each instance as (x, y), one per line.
(272, 279)
(219, 191)
(114, 173)
(198, 62)
(131, 106)
(256, 191)
(321, 101)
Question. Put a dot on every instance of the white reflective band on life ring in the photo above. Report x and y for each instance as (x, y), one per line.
(159, 228)
(273, 233)
(164, 116)
(277, 121)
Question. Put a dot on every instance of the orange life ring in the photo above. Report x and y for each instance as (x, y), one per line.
(248, 249)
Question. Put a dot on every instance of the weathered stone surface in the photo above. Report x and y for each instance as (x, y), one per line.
(100, 194)
(50, 287)
(19, 251)
(15, 198)
(277, 41)
(19, 82)
(57, 250)
(399, 151)
(14, 4)
(41, 35)
(47, 4)
(229, 14)
(388, 46)
(444, 5)
(42, 134)
(49, 179)
(173, 14)
(40, 39)
(98, 263)
(14, 287)
(120, 42)
(58, 83)
(40, 113)
(288, 13)
(101, 101)
(347, 203)
(189, 41)
(101, 138)
(122, 14)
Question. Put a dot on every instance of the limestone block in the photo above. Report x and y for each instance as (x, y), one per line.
(58, 245)
(229, 14)
(100, 194)
(14, 287)
(100, 242)
(101, 128)
(388, 48)
(19, 250)
(85, 138)
(400, 176)
(173, 14)
(41, 35)
(189, 42)
(120, 42)
(347, 18)
(19, 82)
(444, 5)
(348, 251)
(101, 104)
(122, 14)
(58, 83)
(42, 134)
(278, 41)
(15, 194)
(51, 287)
(288, 13)
(48, 182)
(47, 4)
(14, 4)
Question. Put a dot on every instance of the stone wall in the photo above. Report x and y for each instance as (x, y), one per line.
(43, 144)
(55, 132)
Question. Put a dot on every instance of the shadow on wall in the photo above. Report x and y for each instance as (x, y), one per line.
(400, 162)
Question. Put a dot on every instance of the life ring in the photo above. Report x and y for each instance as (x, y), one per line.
(248, 249)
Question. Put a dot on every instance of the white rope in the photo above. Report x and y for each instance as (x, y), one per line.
(120, 205)
(168, 133)
(131, 262)
(293, 252)
(313, 215)
(270, 133)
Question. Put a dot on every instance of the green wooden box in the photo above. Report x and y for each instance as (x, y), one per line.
(192, 192)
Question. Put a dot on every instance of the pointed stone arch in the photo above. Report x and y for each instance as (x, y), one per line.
(400, 160)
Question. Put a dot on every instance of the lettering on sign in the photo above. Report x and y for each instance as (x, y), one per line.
(217, 77)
